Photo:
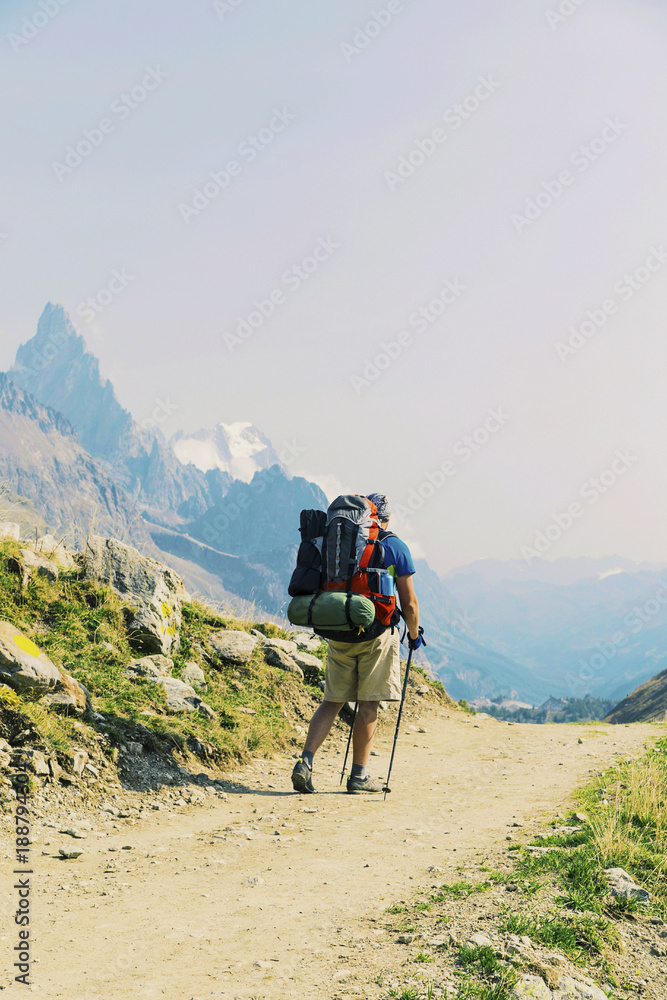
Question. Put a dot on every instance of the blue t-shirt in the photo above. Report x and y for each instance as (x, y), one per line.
(397, 557)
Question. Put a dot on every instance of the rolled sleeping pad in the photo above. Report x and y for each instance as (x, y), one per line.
(328, 611)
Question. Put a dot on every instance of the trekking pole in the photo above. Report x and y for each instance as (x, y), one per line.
(386, 787)
(349, 740)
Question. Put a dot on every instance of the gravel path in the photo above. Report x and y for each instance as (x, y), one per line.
(273, 895)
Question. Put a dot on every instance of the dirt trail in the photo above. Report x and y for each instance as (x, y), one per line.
(178, 919)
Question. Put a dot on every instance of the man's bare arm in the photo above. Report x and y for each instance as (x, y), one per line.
(409, 605)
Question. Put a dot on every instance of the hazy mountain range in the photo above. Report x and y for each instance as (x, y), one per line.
(219, 506)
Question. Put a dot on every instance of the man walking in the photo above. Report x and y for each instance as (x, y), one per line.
(367, 672)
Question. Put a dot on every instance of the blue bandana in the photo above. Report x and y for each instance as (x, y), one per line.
(382, 504)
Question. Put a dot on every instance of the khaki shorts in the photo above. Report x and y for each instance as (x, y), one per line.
(364, 671)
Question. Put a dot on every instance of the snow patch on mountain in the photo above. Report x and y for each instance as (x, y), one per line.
(239, 449)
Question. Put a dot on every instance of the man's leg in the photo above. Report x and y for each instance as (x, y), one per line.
(364, 731)
(320, 725)
(318, 730)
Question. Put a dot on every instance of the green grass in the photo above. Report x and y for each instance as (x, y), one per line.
(70, 620)
(630, 832)
(576, 937)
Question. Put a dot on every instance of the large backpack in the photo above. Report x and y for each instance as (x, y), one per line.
(342, 552)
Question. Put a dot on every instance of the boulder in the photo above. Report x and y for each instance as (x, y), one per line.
(9, 529)
(27, 759)
(153, 590)
(531, 988)
(180, 696)
(149, 668)
(286, 645)
(312, 666)
(195, 677)
(622, 884)
(39, 564)
(307, 641)
(23, 666)
(69, 696)
(277, 658)
(572, 989)
(54, 550)
(231, 646)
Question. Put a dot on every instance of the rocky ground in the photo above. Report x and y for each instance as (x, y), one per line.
(230, 885)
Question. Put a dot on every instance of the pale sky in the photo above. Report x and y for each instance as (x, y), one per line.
(309, 113)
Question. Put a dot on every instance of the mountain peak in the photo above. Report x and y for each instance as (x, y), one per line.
(239, 449)
(58, 369)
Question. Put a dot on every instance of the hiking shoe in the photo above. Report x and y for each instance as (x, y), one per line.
(366, 784)
(301, 777)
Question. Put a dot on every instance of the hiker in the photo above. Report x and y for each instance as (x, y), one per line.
(367, 672)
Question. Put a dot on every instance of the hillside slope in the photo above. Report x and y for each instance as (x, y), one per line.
(647, 703)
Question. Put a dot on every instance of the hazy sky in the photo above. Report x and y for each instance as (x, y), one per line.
(373, 160)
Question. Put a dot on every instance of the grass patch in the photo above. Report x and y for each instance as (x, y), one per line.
(576, 937)
(627, 828)
(81, 626)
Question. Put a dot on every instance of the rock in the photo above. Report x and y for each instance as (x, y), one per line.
(286, 645)
(195, 677)
(55, 770)
(622, 884)
(312, 666)
(69, 697)
(206, 711)
(77, 834)
(531, 988)
(69, 853)
(79, 760)
(263, 965)
(39, 564)
(23, 666)
(9, 529)
(423, 689)
(30, 760)
(55, 551)
(307, 641)
(479, 940)
(153, 590)
(180, 697)
(581, 817)
(246, 711)
(149, 668)
(405, 939)
(277, 658)
(435, 868)
(231, 646)
(571, 989)
(253, 880)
